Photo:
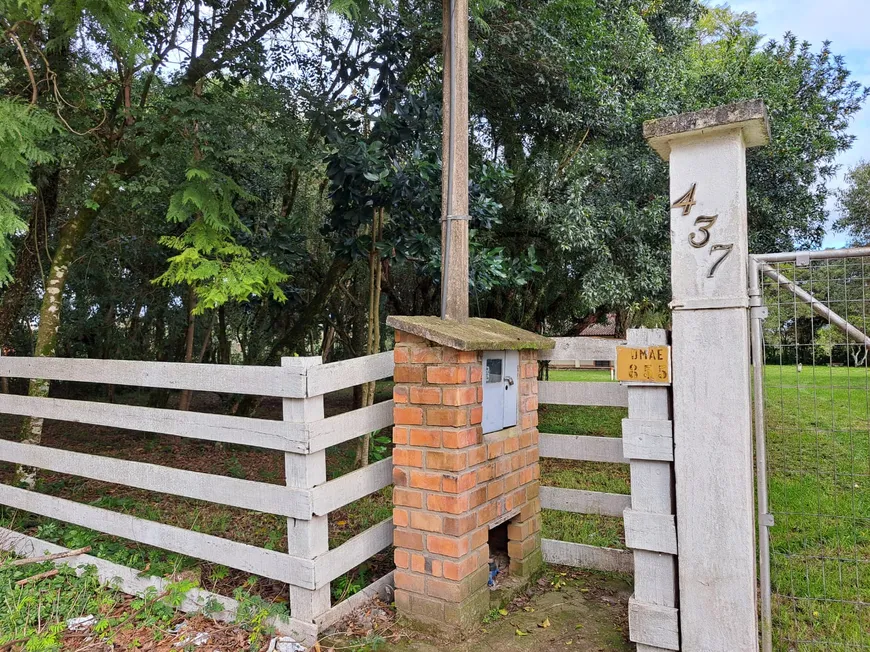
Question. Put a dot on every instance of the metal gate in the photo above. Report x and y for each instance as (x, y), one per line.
(811, 384)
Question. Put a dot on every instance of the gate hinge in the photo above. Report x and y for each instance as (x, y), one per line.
(758, 312)
(766, 520)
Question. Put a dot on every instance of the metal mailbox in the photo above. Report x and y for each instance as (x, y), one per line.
(500, 389)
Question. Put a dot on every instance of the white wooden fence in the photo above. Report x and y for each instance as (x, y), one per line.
(303, 435)
(585, 449)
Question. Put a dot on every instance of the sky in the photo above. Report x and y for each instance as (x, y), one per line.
(843, 22)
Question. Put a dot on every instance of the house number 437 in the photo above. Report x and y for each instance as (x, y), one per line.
(701, 238)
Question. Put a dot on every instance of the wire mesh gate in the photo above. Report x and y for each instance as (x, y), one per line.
(811, 389)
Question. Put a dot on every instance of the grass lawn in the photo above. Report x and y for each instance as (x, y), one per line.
(818, 438)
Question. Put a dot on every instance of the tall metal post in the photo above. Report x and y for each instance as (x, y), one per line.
(454, 175)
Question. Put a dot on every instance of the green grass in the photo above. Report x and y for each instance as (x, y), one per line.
(818, 438)
(580, 375)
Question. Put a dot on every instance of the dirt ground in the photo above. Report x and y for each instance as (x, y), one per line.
(566, 609)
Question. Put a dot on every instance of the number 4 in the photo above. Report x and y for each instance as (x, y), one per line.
(686, 201)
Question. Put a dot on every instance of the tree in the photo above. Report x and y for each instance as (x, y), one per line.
(854, 203)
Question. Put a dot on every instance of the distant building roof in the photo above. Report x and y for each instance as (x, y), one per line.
(602, 329)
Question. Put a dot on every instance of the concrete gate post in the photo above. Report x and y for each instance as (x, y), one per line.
(713, 463)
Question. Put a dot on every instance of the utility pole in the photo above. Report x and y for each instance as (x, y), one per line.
(454, 175)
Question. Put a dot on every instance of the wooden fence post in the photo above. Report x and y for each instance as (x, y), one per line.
(713, 461)
(306, 538)
(647, 441)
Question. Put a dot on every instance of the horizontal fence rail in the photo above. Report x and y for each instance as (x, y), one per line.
(582, 393)
(583, 448)
(303, 436)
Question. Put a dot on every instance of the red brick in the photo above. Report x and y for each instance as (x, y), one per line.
(512, 481)
(460, 395)
(460, 483)
(479, 393)
(494, 489)
(477, 497)
(408, 338)
(436, 567)
(479, 537)
(423, 480)
(446, 460)
(511, 444)
(530, 509)
(407, 457)
(476, 455)
(400, 517)
(400, 435)
(494, 449)
(418, 563)
(425, 354)
(486, 514)
(530, 403)
(459, 525)
(425, 437)
(484, 473)
(517, 461)
(406, 373)
(476, 415)
(515, 499)
(410, 416)
(527, 475)
(450, 504)
(526, 439)
(409, 581)
(441, 416)
(400, 355)
(462, 357)
(400, 478)
(400, 393)
(444, 590)
(460, 438)
(458, 570)
(452, 375)
(407, 498)
(426, 521)
(502, 465)
(448, 546)
(407, 539)
(476, 375)
(425, 395)
(401, 558)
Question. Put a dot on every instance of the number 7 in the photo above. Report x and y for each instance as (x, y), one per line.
(720, 247)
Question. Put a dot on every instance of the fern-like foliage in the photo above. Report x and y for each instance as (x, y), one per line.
(210, 259)
(22, 130)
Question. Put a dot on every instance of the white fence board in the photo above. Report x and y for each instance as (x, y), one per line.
(352, 486)
(582, 348)
(133, 582)
(352, 553)
(648, 531)
(579, 555)
(654, 625)
(259, 496)
(349, 425)
(579, 501)
(269, 563)
(379, 588)
(582, 393)
(648, 439)
(349, 373)
(263, 433)
(582, 448)
(230, 379)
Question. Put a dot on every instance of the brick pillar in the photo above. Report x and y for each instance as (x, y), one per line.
(452, 483)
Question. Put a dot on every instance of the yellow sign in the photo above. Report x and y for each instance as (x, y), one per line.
(645, 364)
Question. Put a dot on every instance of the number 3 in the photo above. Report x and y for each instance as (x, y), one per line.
(708, 221)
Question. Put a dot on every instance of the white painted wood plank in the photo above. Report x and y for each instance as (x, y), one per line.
(259, 496)
(263, 433)
(579, 555)
(582, 393)
(352, 553)
(653, 532)
(350, 425)
(268, 563)
(349, 373)
(352, 486)
(380, 588)
(582, 448)
(654, 625)
(579, 501)
(582, 348)
(648, 439)
(231, 379)
(133, 582)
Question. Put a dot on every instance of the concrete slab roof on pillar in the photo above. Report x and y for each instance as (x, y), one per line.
(750, 116)
(476, 334)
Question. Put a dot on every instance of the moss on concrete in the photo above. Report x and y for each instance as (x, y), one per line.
(475, 334)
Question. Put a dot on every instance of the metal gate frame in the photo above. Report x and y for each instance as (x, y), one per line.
(758, 265)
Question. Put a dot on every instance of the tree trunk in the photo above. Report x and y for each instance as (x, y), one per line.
(223, 341)
(186, 394)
